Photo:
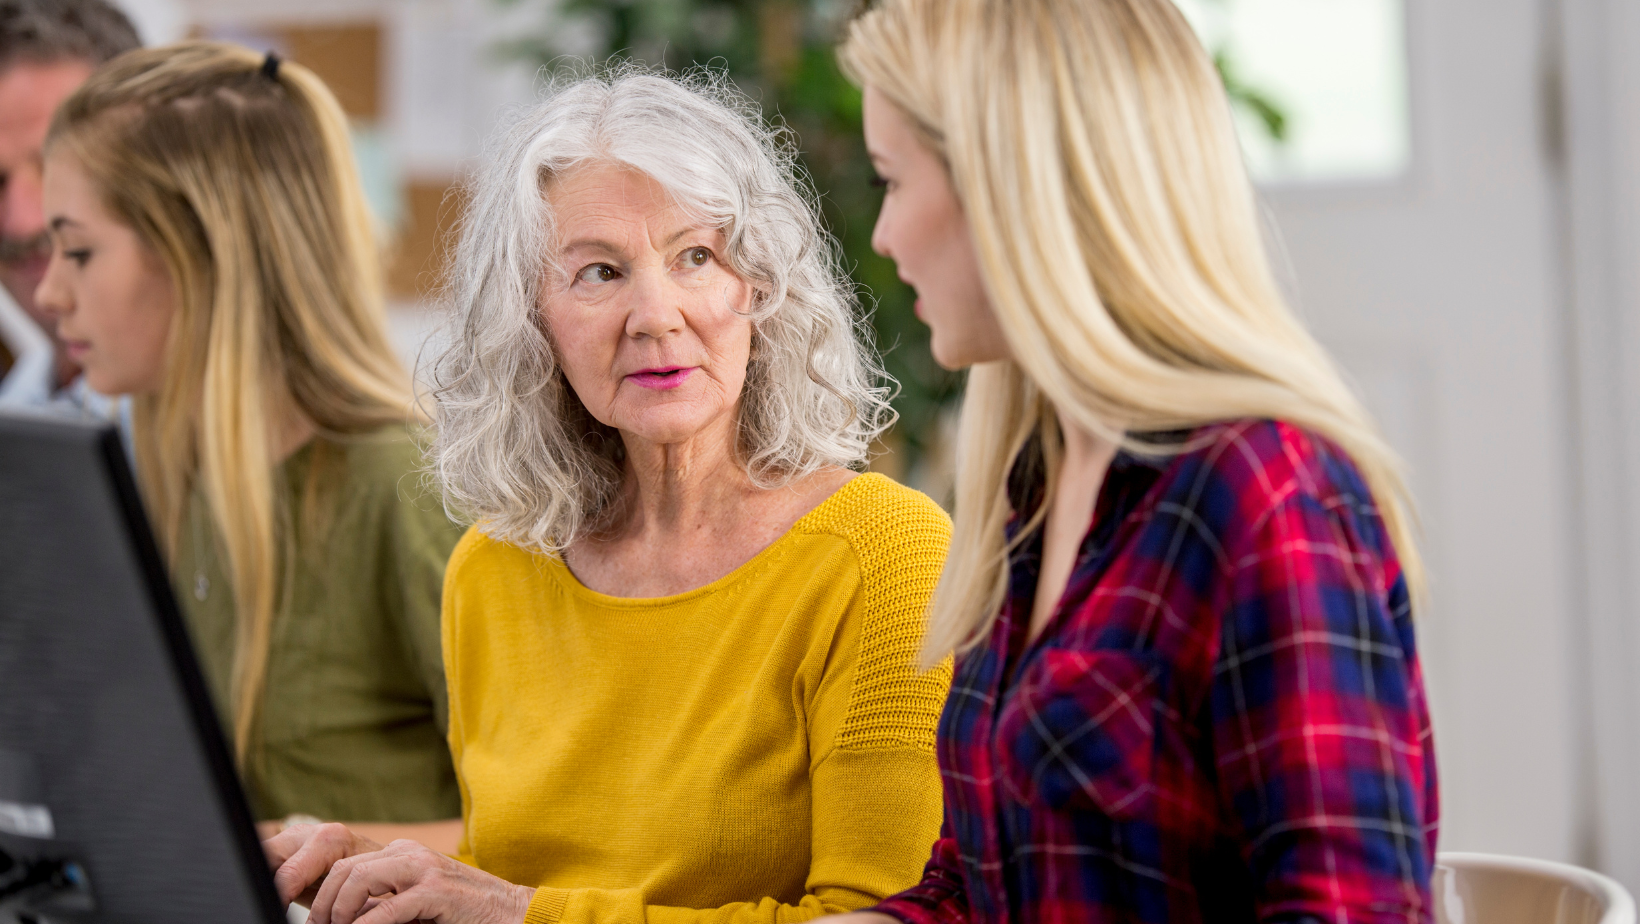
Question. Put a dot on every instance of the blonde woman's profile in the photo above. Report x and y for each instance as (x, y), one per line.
(1183, 564)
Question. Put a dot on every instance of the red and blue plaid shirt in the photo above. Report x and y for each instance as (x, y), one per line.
(1224, 720)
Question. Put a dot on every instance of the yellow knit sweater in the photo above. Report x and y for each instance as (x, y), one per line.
(758, 749)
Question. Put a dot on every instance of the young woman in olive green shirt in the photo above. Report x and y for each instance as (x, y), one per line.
(353, 709)
(212, 257)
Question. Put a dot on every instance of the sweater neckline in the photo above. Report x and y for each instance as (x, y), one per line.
(769, 553)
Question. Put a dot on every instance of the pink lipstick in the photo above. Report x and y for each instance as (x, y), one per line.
(661, 377)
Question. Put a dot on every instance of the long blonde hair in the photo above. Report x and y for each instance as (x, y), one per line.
(242, 180)
(1090, 143)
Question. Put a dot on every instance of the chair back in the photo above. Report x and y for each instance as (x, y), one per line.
(1480, 888)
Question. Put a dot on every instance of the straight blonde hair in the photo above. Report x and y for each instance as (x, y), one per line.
(1091, 146)
(242, 179)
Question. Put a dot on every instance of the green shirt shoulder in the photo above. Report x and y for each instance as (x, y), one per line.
(352, 721)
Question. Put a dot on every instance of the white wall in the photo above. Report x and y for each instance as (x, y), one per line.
(158, 22)
(1601, 221)
(446, 86)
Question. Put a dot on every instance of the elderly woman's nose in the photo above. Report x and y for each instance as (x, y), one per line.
(655, 312)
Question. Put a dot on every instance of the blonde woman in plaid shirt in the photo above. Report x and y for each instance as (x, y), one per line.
(1183, 570)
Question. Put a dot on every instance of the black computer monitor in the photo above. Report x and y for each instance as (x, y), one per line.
(119, 801)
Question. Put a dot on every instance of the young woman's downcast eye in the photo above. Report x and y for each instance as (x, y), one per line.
(598, 272)
(78, 256)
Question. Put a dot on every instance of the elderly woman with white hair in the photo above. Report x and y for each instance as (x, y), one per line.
(681, 641)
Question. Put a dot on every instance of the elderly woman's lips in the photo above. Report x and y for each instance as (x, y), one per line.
(669, 377)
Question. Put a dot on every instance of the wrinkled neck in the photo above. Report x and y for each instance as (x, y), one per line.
(672, 487)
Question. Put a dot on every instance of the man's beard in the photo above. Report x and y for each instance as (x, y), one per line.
(22, 265)
(14, 250)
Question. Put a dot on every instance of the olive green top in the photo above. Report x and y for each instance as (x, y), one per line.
(353, 719)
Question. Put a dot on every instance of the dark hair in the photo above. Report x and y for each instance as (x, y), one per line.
(42, 31)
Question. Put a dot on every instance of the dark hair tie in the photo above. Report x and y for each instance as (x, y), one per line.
(270, 67)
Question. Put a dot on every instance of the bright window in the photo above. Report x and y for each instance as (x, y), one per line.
(1320, 86)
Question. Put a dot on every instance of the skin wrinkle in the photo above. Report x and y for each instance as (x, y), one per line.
(658, 333)
(510, 428)
(638, 298)
(644, 286)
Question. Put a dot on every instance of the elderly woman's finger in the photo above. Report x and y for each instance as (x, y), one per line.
(322, 848)
(279, 846)
(399, 909)
(327, 899)
(324, 898)
(408, 882)
(452, 892)
(372, 876)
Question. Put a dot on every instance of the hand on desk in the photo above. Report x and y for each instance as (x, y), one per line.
(346, 878)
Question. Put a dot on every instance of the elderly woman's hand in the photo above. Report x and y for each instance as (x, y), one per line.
(301, 856)
(406, 881)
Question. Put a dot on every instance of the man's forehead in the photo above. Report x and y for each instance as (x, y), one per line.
(30, 92)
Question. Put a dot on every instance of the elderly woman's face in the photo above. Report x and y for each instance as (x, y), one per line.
(650, 323)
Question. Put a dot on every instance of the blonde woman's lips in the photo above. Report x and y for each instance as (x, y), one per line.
(662, 378)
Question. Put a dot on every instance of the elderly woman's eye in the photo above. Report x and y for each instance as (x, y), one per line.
(698, 256)
(597, 272)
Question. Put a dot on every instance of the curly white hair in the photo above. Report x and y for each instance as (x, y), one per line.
(515, 450)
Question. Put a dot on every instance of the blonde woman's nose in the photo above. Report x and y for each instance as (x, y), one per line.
(879, 235)
(53, 296)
